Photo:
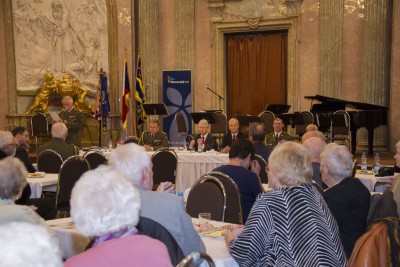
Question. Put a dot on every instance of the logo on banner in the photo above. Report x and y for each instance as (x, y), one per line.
(171, 79)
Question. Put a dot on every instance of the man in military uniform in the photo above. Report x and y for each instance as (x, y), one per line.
(73, 119)
(59, 133)
(278, 136)
(154, 138)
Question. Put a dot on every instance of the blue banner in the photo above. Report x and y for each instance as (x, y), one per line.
(177, 96)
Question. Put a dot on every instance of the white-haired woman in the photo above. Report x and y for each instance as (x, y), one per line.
(347, 198)
(12, 183)
(105, 206)
(291, 225)
(26, 244)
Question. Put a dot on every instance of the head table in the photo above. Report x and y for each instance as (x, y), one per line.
(72, 242)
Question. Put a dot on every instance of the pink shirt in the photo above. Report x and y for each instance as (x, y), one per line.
(133, 250)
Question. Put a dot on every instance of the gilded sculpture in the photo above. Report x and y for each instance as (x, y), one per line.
(63, 87)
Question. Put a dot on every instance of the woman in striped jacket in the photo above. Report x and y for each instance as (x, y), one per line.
(291, 225)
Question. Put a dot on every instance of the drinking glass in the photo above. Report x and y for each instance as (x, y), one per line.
(204, 217)
(199, 145)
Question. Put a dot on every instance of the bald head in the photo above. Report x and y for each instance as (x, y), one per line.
(314, 147)
(310, 134)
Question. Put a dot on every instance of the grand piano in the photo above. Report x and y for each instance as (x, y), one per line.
(369, 116)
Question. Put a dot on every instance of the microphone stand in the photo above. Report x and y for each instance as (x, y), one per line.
(220, 98)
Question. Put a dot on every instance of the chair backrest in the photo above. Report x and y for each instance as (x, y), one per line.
(39, 124)
(263, 166)
(155, 230)
(132, 139)
(220, 126)
(340, 123)
(70, 172)
(49, 161)
(165, 163)
(197, 259)
(180, 122)
(233, 211)
(308, 118)
(354, 168)
(267, 117)
(95, 159)
(207, 195)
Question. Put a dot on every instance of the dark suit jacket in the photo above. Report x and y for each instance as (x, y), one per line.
(22, 154)
(227, 138)
(211, 142)
(263, 150)
(349, 204)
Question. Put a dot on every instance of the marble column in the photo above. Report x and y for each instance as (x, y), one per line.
(330, 47)
(149, 49)
(376, 60)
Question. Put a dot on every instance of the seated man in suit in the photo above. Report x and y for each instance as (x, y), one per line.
(278, 136)
(166, 209)
(234, 134)
(208, 141)
(154, 138)
(45, 207)
(347, 198)
(314, 147)
(59, 133)
(257, 136)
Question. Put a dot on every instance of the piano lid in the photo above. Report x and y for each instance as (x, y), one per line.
(355, 105)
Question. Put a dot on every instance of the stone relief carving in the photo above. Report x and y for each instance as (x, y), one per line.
(253, 11)
(68, 36)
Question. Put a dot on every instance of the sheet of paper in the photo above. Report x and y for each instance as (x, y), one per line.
(54, 116)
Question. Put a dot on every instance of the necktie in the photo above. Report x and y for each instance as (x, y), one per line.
(234, 137)
(204, 141)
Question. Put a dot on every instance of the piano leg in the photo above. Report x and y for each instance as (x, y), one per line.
(370, 141)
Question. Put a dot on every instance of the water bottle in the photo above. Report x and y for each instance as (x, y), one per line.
(364, 161)
(110, 145)
(199, 145)
(377, 164)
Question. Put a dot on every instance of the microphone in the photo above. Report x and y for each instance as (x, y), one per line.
(207, 88)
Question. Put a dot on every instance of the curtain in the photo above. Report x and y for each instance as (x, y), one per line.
(256, 69)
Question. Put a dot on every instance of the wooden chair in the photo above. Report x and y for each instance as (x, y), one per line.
(70, 172)
(49, 161)
(207, 195)
(95, 159)
(165, 163)
(233, 211)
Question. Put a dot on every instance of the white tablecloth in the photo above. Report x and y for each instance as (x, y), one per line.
(369, 180)
(191, 166)
(46, 183)
(72, 242)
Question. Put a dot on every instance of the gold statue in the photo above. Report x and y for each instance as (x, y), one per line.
(64, 87)
(40, 103)
(80, 102)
